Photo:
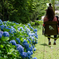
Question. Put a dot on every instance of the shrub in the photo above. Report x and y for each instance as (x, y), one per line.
(37, 22)
(32, 23)
(17, 41)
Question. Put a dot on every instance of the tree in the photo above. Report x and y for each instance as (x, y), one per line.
(22, 11)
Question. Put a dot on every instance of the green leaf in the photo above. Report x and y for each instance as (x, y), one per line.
(1, 46)
(5, 38)
(11, 51)
(0, 51)
(21, 39)
(5, 56)
(7, 30)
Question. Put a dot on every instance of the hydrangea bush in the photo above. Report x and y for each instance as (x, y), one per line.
(17, 41)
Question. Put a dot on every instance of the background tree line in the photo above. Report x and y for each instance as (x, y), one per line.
(22, 11)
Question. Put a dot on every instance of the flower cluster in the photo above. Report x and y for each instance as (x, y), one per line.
(5, 34)
(23, 37)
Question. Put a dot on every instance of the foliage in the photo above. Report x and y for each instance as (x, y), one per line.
(22, 11)
(36, 22)
(32, 23)
(17, 41)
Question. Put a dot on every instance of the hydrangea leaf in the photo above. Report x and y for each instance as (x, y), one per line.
(5, 38)
(1, 46)
(10, 51)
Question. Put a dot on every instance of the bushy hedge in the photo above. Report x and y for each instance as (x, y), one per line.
(22, 11)
(36, 22)
(17, 41)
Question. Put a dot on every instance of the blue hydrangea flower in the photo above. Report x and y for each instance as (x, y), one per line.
(20, 48)
(29, 24)
(24, 54)
(16, 22)
(28, 29)
(34, 49)
(25, 27)
(33, 46)
(21, 28)
(32, 34)
(24, 41)
(1, 32)
(30, 57)
(33, 42)
(0, 35)
(34, 58)
(18, 40)
(35, 33)
(1, 21)
(5, 22)
(13, 42)
(30, 48)
(17, 45)
(7, 28)
(32, 28)
(36, 36)
(29, 40)
(31, 52)
(32, 38)
(26, 45)
(12, 30)
(2, 27)
(28, 53)
(5, 34)
(35, 30)
(29, 34)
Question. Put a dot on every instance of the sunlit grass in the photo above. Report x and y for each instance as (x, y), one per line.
(45, 51)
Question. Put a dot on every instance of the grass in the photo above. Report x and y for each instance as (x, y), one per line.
(45, 51)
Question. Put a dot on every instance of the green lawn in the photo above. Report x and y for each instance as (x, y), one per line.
(45, 51)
